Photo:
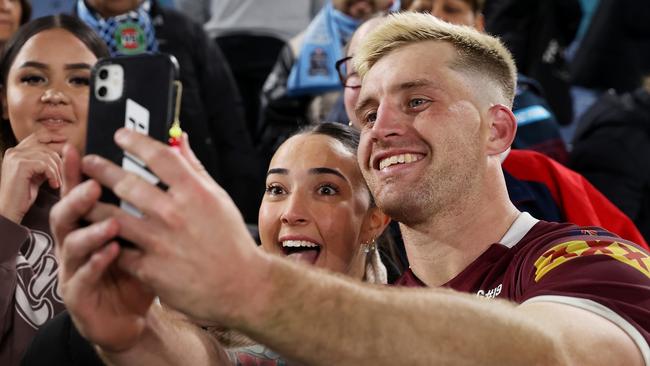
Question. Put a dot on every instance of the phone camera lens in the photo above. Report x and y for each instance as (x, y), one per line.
(103, 74)
(102, 91)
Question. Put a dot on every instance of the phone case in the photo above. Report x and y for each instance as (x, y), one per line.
(147, 104)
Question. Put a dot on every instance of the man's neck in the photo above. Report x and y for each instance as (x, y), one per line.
(108, 11)
(441, 248)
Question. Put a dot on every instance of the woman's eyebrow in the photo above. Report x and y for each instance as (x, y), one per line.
(325, 170)
(277, 171)
(77, 66)
(40, 65)
(35, 64)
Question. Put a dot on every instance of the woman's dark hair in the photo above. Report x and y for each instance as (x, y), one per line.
(387, 242)
(66, 22)
(348, 136)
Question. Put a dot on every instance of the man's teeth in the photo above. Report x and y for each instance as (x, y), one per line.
(298, 244)
(398, 159)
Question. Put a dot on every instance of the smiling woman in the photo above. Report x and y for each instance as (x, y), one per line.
(44, 75)
(317, 208)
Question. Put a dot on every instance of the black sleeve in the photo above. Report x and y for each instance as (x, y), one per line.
(280, 115)
(614, 159)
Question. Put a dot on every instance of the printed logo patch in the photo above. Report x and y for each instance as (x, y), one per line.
(130, 38)
(567, 251)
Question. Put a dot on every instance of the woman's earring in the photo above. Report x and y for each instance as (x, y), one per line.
(369, 247)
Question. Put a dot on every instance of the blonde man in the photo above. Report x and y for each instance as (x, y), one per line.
(434, 105)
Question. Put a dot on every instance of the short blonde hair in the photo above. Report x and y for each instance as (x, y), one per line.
(477, 52)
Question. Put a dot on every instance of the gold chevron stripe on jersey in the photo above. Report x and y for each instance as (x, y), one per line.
(564, 252)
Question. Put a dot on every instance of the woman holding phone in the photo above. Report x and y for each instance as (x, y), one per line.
(44, 74)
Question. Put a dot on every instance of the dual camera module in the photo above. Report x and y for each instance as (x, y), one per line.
(109, 82)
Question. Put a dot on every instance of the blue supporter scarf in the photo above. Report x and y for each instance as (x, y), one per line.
(314, 71)
(126, 34)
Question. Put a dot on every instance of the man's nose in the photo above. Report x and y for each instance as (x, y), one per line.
(388, 122)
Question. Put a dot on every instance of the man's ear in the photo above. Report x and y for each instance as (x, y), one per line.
(503, 127)
(479, 23)
(375, 224)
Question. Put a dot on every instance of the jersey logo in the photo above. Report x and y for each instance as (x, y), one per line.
(562, 253)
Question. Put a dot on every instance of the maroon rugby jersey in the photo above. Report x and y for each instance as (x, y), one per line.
(586, 267)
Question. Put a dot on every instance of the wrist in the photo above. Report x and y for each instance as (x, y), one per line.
(11, 213)
(252, 296)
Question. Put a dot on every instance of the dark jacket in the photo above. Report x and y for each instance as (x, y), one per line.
(615, 50)
(537, 32)
(611, 148)
(537, 127)
(211, 109)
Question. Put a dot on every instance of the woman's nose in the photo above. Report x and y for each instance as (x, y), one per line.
(295, 212)
(53, 96)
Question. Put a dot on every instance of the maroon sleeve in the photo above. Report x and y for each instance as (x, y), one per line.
(606, 275)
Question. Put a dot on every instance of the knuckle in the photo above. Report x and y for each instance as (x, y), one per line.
(130, 183)
(170, 215)
(160, 156)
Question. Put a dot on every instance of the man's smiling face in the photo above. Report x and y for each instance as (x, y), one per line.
(422, 139)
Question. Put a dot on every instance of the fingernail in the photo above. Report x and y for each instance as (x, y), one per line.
(120, 135)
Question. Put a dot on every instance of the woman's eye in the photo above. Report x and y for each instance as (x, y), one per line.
(327, 190)
(32, 79)
(274, 190)
(80, 80)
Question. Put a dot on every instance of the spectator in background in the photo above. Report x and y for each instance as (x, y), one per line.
(304, 84)
(537, 32)
(611, 147)
(42, 8)
(211, 109)
(45, 70)
(613, 53)
(13, 14)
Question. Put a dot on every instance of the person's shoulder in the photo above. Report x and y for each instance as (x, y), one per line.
(550, 244)
(551, 232)
(171, 18)
(615, 112)
(547, 237)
